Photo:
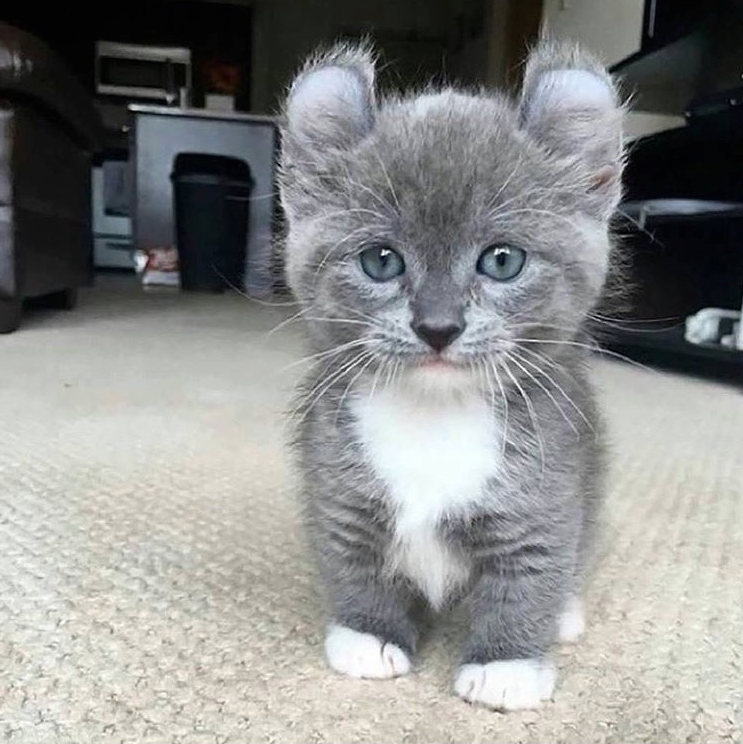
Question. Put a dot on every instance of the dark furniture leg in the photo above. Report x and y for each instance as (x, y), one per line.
(64, 300)
(10, 314)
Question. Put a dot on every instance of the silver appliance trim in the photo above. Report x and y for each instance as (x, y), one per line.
(131, 91)
(178, 55)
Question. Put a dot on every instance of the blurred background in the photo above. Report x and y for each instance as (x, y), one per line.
(142, 83)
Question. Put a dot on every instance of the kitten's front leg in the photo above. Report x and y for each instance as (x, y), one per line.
(514, 609)
(371, 633)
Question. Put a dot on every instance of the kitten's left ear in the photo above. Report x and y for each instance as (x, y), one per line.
(570, 105)
(331, 102)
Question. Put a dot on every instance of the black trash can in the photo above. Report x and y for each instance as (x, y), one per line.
(211, 199)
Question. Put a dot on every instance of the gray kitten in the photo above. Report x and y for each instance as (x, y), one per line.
(446, 249)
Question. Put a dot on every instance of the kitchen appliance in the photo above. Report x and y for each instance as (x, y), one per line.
(142, 72)
(112, 222)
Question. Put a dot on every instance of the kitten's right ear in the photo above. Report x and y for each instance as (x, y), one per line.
(331, 102)
(571, 105)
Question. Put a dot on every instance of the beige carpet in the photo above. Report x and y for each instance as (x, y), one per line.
(154, 586)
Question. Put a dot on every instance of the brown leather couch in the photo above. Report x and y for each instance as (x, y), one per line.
(49, 129)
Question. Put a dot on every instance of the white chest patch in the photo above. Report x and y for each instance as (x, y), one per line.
(435, 456)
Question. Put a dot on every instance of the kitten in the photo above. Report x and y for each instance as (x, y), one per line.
(446, 249)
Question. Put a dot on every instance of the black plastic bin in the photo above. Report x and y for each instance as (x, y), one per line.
(211, 198)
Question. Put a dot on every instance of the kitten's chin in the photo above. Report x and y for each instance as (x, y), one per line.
(438, 377)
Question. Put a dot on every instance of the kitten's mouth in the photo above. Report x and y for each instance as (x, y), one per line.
(435, 374)
(437, 362)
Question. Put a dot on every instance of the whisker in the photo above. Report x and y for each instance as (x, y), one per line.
(358, 313)
(351, 382)
(392, 374)
(505, 408)
(543, 358)
(310, 358)
(287, 321)
(515, 359)
(345, 321)
(554, 382)
(532, 413)
(308, 402)
(478, 366)
(256, 300)
(483, 367)
(632, 325)
(317, 319)
(375, 380)
(616, 319)
(639, 226)
(590, 347)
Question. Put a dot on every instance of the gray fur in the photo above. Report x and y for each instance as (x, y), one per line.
(439, 177)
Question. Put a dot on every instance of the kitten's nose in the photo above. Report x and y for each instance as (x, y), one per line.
(438, 337)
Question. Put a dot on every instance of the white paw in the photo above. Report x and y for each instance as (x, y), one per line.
(363, 654)
(506, 685)
(572, 622)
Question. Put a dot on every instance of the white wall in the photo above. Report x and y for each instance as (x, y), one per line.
(613, 30)
(610, 28)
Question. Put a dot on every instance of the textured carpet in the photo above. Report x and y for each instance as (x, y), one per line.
(154, 586)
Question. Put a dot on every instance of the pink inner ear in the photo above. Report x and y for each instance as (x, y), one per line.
(324, 90)
(574, 89)
(604, 177)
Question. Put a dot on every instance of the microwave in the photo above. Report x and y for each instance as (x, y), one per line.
(136, 71)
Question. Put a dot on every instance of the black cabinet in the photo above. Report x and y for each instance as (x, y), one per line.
(667, 20)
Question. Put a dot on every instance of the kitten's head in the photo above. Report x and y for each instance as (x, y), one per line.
(432, 232)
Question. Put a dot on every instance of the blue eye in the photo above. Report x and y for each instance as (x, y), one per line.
(501, 262)
(381, 263)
